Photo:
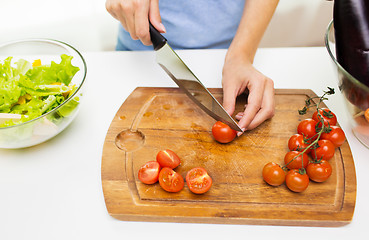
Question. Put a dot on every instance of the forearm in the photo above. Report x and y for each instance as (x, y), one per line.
(255, 19)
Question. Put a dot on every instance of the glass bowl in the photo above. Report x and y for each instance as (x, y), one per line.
(356, 94)
(51, 123)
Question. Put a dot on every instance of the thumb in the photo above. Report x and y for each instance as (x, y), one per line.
(229, 99)
(154, 16)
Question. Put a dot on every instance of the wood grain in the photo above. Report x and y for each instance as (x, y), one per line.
(169, 120)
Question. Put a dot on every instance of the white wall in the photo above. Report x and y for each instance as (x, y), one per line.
(86, 25)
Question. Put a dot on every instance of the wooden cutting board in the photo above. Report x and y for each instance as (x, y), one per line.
(167, 119)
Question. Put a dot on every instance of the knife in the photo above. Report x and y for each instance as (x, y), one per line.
(173, 65)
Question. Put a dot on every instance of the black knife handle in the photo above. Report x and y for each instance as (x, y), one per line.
(158, 41)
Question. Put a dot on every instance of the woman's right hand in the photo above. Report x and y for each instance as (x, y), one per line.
(134, 16)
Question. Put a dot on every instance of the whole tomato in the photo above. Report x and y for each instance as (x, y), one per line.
(307, 128)
(273, 174)
(297, 143)
(325, 150)
(336, 136)
(296, 160)
(223, 133)
(329, 118)
(296, 181)
(320, 171)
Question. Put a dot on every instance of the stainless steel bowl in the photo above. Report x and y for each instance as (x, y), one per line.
(53, 122)
(355, 93)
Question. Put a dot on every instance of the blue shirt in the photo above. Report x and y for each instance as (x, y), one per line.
(193, 24)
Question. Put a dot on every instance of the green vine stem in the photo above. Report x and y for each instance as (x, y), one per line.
(320, 130)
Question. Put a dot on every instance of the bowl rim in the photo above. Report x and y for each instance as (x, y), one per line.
(59, 43)
(350, 77)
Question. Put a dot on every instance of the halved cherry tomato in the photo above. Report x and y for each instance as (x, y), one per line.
(168, 158)
(336, 136)
(223, 133)
(297, 182)
(273, 174)
(366, 114)
(325, 150)
(319, 172)
(170, 181)
(149, 172)
(307, 128)
(297, 143)
(300, 161)
(329, 118)
(198, 180)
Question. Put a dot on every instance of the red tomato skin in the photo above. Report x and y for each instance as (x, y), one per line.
(297, 182)
(319, 172)
(296, 163)
(297, 143)
(366, 114)
(327, 121)
(325, 150)
(198, 180)
(336, 136)
(273, 174)
(307, 128)
(168, 158)
(223, 133)
(170, 181)
(149, 172)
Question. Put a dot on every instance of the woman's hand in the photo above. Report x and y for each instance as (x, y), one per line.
(134, 16)
(239, 75)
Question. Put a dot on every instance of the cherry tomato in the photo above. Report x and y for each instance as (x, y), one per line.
(297, 143)
(307, 128)
(329, 118)
(336, 136)
(273, 174)
(198, 180)
(170, 180)
(300, 161)
(168, 158)
(325, 150)
(149, 172)
(319, 172)
(223, 133)
(297, 182)
(366, 114)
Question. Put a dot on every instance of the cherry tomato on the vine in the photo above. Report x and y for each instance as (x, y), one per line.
(307, 128)
(198, 180)
(170, 180)
(301, 160)
(297, 143)
(329, 118)
(325, 150)
(336, 136)
(319, 172)
(223, 133)
(149, 172)
(297, 182)
(273, 174)
(168, 158)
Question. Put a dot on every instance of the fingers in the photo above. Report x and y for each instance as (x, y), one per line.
(154, 16)
(229, 99)
(134, 16)
(265, 111)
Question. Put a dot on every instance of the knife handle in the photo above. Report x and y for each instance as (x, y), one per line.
(158, 41)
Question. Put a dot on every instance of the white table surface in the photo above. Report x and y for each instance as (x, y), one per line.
(53, 190)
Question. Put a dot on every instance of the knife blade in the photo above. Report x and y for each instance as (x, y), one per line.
(173, 65)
